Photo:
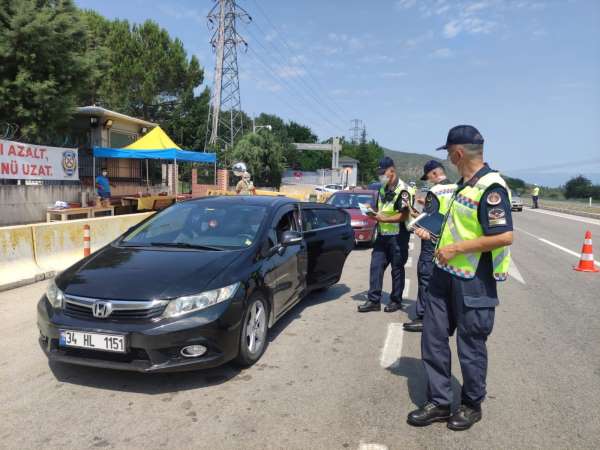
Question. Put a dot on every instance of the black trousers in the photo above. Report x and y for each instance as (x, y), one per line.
(424, 271)
(388, 250)
(535, 201)
(467, 306)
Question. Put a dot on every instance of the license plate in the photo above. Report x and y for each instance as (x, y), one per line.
(92, 341)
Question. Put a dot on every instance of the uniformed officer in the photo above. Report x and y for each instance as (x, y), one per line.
(437, 200)
(535, 192)
(472, 253)
(391, 245)
(245, 185)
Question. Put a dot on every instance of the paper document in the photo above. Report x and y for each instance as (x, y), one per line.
(366, 209)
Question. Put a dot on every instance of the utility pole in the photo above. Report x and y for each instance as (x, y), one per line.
(356, 130)
(225, 106)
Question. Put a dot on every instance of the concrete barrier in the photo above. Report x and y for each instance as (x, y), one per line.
(58, 245)
(17, 257)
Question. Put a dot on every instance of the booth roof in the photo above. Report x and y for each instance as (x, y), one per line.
(154, 145)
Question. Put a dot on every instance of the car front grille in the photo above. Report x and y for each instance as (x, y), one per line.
(82, 308)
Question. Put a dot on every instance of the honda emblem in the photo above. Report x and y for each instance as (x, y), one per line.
(102, 310)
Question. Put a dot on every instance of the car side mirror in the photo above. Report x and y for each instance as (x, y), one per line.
(291, 238)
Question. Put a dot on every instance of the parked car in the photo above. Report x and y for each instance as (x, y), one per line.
(365, 227)
(193, 286)
(516, 202)
(329, 188)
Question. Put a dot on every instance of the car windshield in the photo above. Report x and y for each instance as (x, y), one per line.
(350, 201)
(200, 225)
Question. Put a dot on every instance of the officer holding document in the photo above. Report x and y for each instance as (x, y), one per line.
(471, 255)
(437, 201)
(391, 245)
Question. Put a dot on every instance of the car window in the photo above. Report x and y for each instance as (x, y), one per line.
(314, 219)
(287, 222)
(350, 201)
(226, 225)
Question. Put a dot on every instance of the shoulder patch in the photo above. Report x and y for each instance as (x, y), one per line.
(496, 213)
(493, 199)
(404, 195)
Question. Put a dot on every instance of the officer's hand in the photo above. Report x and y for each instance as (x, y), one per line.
(445, 254)
(421, 201)
(379, 217)
(423, 234)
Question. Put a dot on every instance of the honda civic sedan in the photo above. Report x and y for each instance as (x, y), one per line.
(193, 286)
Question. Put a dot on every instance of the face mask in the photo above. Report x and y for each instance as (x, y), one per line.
(104, 174)
(383, 179)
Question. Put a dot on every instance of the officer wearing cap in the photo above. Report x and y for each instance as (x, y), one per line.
(535, 192)
(437, 200)
(391, 246)
(471, 255)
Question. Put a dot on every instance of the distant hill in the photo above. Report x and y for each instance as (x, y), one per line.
(410, 165)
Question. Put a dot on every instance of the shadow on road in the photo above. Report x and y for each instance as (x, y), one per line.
(335, 292)
(412, 369)
(143, 383)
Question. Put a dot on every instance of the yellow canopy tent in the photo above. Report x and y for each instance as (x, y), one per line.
(156, 145)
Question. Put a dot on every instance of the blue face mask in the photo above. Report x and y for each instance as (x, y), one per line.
(383, 179)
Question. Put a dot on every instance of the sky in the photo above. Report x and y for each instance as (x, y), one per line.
(526, 73)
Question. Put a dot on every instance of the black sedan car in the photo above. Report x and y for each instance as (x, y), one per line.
(193, 286)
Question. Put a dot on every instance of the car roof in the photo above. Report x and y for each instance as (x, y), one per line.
(357, 191)
(257, 200)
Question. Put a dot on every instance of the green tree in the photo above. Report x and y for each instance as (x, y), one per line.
(578, 187)
(263, 155)
(43, 67)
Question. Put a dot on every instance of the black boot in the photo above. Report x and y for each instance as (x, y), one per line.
(428, 414)
(369, 306)
(393, 306)
(415, 326)
(464, 418)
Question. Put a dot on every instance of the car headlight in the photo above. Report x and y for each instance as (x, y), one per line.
(191, 303)
(54, 295)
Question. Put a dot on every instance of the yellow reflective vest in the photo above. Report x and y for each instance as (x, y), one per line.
(462, 224)
(388, 208)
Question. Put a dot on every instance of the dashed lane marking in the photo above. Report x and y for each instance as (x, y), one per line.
(406, 290)
(371, 446)
(513, 271)
(392, 347)
(409, 262)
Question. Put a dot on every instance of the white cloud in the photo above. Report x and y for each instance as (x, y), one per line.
(442, 53)
(471, 25)
(368, 59)
(405, 4)
(290, 71)
(415, 41)
(452, 28)
(393, 74)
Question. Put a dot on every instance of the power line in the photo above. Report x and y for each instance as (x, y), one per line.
(283, 61)
(272, 73)
(277, 29)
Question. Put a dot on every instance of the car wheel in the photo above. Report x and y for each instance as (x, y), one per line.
(255, 331)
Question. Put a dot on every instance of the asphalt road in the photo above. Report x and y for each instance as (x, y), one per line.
(332, 378)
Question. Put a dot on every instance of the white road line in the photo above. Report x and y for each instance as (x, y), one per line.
(513, 271)
(392, 348)
(411, 245)
(560, 247)
(406, 290)
(409, 262)
(565, 216)
(371, 446)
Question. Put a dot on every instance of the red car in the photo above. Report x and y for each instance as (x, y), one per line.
(365, 228)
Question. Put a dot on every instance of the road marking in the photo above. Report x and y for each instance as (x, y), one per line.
(392, 348)
(406, 290)
(409, 262)
(560, 247)
(513, 271)
(371, 446)
(411, 245)
(566, 216)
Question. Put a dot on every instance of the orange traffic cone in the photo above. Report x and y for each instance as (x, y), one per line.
(586, 262)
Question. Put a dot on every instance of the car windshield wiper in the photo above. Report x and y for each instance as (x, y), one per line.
(184, 245)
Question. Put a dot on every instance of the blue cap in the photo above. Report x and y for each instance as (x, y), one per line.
(429, 166)
(462, 134)
(385, 163)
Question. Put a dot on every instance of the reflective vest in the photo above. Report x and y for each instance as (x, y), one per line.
(536, 191)
(462, 224)
(443, 193)
(388, 208)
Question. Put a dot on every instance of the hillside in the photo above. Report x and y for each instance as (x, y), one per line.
(410, 165)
